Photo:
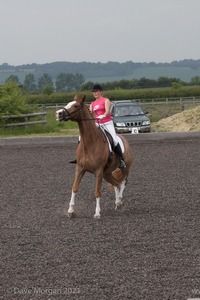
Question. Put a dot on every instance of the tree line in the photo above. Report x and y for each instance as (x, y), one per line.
(13, 99)
(64, 83)
(89, 70)
(68, 82)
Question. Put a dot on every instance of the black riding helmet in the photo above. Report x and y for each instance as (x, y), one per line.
(97, 87)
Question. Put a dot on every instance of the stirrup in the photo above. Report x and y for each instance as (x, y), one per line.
(122, 164)
(73, 161)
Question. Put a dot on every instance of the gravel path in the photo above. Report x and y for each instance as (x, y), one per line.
(148, 250)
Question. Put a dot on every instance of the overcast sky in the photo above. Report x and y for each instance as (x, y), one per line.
(45, 31)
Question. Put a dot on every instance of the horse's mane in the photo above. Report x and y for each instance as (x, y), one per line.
(84, 104)
(88, 108)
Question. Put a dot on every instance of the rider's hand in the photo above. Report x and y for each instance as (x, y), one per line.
(101, 117)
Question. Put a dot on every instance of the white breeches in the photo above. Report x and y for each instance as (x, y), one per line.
(109, 126)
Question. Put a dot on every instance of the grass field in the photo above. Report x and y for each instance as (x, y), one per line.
(155, 111)
(52, 128)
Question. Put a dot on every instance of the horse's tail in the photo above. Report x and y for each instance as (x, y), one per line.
(117, 174)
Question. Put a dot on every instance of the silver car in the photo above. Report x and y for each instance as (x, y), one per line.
(128, 117)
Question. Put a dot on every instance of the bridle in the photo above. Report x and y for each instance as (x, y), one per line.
(75, 113)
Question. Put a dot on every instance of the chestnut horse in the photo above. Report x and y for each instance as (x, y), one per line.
(94, 155)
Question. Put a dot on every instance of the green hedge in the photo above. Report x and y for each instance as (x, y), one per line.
(117, 94)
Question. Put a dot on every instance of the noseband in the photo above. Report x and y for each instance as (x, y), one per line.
(73, 113)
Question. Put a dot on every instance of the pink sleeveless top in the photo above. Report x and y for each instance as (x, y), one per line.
(98, 108)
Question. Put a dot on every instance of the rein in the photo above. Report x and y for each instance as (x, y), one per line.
(77, 112)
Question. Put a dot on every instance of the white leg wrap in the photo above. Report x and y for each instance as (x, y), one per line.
(97, 210)
(119, 194)
(72, 203)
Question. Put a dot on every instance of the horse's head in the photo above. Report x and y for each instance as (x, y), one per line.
(71, 111)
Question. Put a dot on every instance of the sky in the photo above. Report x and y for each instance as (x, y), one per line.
(45, 31)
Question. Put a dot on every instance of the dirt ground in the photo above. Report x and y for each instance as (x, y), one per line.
(184, 121)
(148, 250)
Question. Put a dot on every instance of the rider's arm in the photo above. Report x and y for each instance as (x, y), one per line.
(107, 107)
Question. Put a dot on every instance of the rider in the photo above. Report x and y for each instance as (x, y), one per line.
(100, 108)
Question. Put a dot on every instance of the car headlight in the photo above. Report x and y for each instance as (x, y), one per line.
(146, 123)
(120, 124)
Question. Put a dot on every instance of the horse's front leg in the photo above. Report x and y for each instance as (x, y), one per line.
(71, 212)
(99, 178)
(97, 209)
(78, 176)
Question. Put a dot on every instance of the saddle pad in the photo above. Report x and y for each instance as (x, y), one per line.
(109, 143)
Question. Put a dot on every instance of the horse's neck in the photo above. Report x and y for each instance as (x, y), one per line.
(89, 132)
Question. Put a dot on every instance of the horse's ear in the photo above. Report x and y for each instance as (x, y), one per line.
(83, 99)
(79, 100)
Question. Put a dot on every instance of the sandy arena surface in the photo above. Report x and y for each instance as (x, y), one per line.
(148, 250)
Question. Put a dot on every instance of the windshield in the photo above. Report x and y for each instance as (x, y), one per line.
(128, 110)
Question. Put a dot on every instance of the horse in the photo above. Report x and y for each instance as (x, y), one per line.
(94, 155)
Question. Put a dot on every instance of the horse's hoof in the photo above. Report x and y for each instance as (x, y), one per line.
(71, 215)
(97, 217)
(119, 206)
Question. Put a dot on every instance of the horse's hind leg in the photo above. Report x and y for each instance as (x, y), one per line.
(119, 194)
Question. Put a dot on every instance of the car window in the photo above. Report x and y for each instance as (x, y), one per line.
(128, 110)
(136, 110)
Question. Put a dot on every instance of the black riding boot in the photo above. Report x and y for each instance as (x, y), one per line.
(118, 151)
(73, 161)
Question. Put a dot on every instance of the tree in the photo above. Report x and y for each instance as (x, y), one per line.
(11, 100)
(87, 86)
(47, 89)
(45, 81)
(78, 80)
(176, 85)
(29, 83)
(195, 80)
(13, 78)
(69, 82)
(61, 82)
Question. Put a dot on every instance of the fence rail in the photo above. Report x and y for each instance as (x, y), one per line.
(26, 117)
(179, 100)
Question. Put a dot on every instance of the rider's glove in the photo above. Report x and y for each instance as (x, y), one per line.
(101, 117)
